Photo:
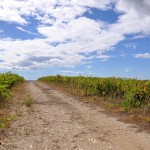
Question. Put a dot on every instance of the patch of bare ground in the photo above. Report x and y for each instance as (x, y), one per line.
(59, 121)
(139, 117)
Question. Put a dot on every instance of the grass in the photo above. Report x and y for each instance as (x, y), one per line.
(28, 102)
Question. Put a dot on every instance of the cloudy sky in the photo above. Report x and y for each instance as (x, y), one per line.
(72, 37)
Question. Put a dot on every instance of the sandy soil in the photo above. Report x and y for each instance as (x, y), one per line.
(57, 121)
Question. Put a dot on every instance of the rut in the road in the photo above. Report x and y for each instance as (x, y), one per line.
(59, 121)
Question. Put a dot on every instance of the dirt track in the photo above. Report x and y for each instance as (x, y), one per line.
(57, 121)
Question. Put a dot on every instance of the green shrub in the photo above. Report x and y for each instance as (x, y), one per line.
(7, 80)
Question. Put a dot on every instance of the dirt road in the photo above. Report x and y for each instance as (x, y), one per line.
(57, 121)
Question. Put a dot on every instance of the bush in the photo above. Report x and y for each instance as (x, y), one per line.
(7, 80)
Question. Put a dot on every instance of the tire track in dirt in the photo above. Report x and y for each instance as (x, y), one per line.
(58, 121)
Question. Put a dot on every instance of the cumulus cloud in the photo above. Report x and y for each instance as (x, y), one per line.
(142, 7)
(80, 29)
(134, 18)
(10, 11)
(67, 35)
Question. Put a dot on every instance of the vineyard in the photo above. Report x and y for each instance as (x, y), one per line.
(129, 93)
(7, 80)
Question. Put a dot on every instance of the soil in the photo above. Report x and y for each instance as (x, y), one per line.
(58, 121)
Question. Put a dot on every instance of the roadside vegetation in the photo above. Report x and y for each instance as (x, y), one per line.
(123, 94)
(29, 102)
(7, 81)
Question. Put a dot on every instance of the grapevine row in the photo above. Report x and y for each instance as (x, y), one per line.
(132, 93)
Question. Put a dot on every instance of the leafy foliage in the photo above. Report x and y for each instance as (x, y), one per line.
(7, 80)
(5, 121)
(131, 93)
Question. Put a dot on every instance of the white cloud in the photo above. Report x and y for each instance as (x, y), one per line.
(36, 54)
(145, 55)
(103, 56)
(139, 36)
(141, 7)
(29, 32)
(81, 29)
(135, 18)
(47, 11)
(100, 55)
(131, 45)
(43, 10)
(10, 11)
(69, 36)
(103, 4)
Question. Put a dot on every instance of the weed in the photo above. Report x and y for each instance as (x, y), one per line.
(5, 121)
(29, 102)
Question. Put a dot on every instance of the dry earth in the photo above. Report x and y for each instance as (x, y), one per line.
(57, 121)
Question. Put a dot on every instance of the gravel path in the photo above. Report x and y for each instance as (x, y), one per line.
(57, 121)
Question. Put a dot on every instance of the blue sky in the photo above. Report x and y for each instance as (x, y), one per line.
(73, 37)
